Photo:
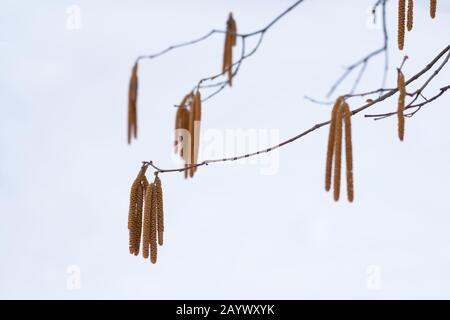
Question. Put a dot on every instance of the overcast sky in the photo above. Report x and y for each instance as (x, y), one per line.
(261, 229)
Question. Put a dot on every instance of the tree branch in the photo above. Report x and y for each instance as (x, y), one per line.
(389, 93)
(362, 63)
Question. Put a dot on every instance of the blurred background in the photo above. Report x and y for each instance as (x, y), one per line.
(232, 231)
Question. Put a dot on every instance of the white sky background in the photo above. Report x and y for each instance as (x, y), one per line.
(231, 232)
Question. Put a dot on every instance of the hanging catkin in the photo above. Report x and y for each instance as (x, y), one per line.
(188, 138)
(146, 228)
(331, 140)
(139, 208)
(401, 24)
(135, 206)
(192, 134)
(348, 150)
(401, 105)
(233, 30)
(197, 120)
(410, 19)
(230, 42)
(132, 97)
(337, 154)
(160, 209)
(147, 200)
(433, 5)
(225, 53)
(132, 214)
(153, 221)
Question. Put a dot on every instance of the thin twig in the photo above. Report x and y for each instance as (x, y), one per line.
(364, 61)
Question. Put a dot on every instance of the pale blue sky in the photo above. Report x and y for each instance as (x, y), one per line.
(231, 232)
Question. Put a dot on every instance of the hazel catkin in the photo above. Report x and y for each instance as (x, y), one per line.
(153, 222)
(132, 98)
(331, 142)
(133, 211)
(433, 5)
(226, 51)
(410, 16)
(337, 155)
(146, 227)
(132, 215)
(138, 219)
(401, 24)
(348, 150)
(160, 209)
(184, 137)
(230, 42)
(197, 121)
(191, 135)
(401, 105)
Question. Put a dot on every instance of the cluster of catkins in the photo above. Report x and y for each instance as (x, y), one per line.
(339, 115)
(146, 216)
(187, 131)
(409, 16)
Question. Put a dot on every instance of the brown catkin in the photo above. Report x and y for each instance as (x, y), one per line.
(138, 217)
(188, 139)
(133, 226)
(132, 97)
(401, 24)
(410, 19)
(146, 227)
(197, 119)
(331, 138)
(337, 154)
(230, 68)
(132, 214)
(230, 60)
(192, 135)
(401, 105)
(226, 52)
(433, 5)
(230, 42)
(160, 209)
(348, 150)
(184, 136)
(153, 212)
